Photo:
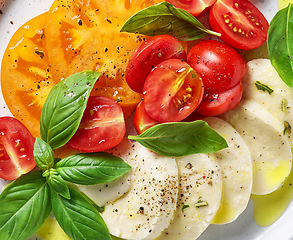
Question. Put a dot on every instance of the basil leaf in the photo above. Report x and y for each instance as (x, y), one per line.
(181, 138)
(24, 206)
(44, 155)
(91, 168)
(164, 18)
(58, 184)
(64, 107)
(78, 218)
(280, 45)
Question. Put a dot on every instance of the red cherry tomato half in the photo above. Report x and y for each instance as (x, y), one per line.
(240, 23)
(142, 121)
(16, 149)
(219, 103)
(172, 91)
(102, 126)
(220, 66)
(194, 7)
(149, 54)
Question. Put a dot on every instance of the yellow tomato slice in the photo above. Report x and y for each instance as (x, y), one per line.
(82, 35)
(25, 74)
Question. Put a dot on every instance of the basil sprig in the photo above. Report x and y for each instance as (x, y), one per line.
(280, 45)
(28, 201)
(181, 138)
(64, 107)
(164, 18)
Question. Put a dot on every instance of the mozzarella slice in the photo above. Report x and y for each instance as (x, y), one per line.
(147, 209)
(261, 70)
(200, 179)
(270, 150)
(235, 162)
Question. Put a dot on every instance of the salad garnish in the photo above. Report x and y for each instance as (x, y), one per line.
(201, 203)
(181, 138)
(263, 87)
(279, 44)
(164, 18)
(287, 127)
(284, 105)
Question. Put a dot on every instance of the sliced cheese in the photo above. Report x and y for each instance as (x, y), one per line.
(147, 209)
(270, 150)
(200, 180)
(280, 102)
(235, 162)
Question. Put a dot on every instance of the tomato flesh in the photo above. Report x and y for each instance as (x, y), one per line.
(102, 126)
(194, 7)
(149, 54)
(220, 66)
(26, 78)
(85, 35)
(16, 149)
(142, 121)
(240, 23)
(214, 104)
(172, 91)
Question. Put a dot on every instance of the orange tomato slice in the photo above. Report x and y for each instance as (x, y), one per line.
(25, 74)
(83, 35)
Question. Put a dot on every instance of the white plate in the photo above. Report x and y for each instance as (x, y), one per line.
(17, 12)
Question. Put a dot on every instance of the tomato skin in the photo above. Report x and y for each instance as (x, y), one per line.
(219, 103)
(220, 66)
(240, 23)
(102, 126)
(194, 7)
(142, 121)
(149, 54)
(172, 91)
(16, 149)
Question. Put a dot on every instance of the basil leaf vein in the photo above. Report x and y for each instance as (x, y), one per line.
(24, 206)
(78, 218)
(181, 138)
(164, 18)
(91, 168)
(280, 47)
(64, 107)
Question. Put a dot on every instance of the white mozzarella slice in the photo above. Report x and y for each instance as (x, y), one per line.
(280, 102)
(200, 179)
(270, 150)
(147, 209)
(235, 162)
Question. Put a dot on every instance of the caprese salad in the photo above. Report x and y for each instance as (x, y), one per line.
(130, 122)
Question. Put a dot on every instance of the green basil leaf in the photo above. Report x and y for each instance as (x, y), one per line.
(64, 107)
(58, 184)
(44, 155)
(78, 218)
(280, 45)
(91, 168)
(164, 18)
(181, 138)
(24, 206)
